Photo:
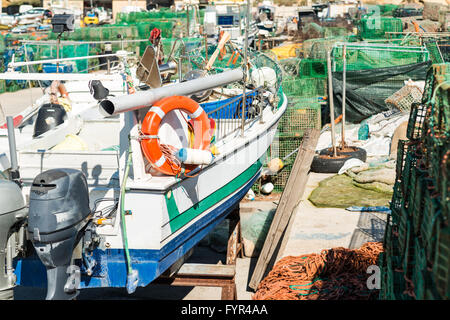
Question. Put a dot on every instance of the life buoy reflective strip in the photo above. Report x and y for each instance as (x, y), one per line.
(151, 147)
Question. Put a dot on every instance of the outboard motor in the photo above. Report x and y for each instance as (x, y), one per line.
(59, 213)
(12, 211)
(49, 116)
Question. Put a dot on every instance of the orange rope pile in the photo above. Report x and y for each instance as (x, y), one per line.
(334, 274)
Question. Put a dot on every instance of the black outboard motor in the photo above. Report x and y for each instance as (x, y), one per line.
(49, 116)
(59, 212)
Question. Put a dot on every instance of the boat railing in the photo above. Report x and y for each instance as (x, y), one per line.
(227, 114)
(14, 64)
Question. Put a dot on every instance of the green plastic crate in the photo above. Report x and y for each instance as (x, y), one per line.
(280, 148)
(301, 114)
(420, 267)
(441, 265)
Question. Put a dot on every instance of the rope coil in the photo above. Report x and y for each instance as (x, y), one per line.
(334, 274)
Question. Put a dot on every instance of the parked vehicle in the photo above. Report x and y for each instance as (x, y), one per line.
(34, 15)
(7, 20)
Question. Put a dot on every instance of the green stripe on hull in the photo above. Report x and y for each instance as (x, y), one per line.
(179, 220)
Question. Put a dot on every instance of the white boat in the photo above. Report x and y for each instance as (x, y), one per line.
(141, 221)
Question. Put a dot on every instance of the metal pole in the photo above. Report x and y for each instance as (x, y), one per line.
(12, 148)
(344, 79)
(57, 53)
(141, 99)
(245, 66)
(188, 20)
(330, 99)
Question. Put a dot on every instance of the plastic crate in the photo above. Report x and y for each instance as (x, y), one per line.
(416, 121)
(444, 187)
(416, 207)
(431, 222)
(396, 203)
(395, 282)
(307, 87)
(280, 148)
(301, 114)
(400, 162)
(436, 150)
(404, 98)
(410, 163)
(408, 257)
(314, 68)
(52, 67)
(420, 267)
(441, 265)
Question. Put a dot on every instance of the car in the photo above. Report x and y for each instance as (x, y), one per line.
(33, 15)
(7, 20)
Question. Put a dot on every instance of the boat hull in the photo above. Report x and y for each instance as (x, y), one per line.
(111, 270)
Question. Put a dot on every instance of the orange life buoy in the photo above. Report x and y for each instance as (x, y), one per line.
(150, 127)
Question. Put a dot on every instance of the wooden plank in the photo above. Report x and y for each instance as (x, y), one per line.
(290, 198)
(210, 270)
(234, 248)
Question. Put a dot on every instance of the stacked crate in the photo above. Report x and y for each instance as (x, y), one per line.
(416, 263)
(303, 112)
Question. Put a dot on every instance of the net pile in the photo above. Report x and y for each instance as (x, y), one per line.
(334, 274)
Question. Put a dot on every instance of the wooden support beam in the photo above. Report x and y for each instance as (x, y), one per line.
(290, 198)
(235, 247)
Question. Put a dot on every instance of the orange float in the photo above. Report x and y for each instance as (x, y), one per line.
(150, 127)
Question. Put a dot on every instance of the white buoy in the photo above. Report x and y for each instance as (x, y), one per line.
(250, 195)
(194, 156)
(267, 188)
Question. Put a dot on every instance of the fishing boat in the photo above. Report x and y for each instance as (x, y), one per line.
(188, 151)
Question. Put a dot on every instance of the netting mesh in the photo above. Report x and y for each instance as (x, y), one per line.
(362, 57)
(374, 27)
(305, 87)
(171, 23)
(257, 59)
(317, 48)
(41, 52)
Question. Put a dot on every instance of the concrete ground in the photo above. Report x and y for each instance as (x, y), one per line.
(313, 229)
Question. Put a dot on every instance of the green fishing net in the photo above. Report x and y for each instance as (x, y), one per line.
(340, 191)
